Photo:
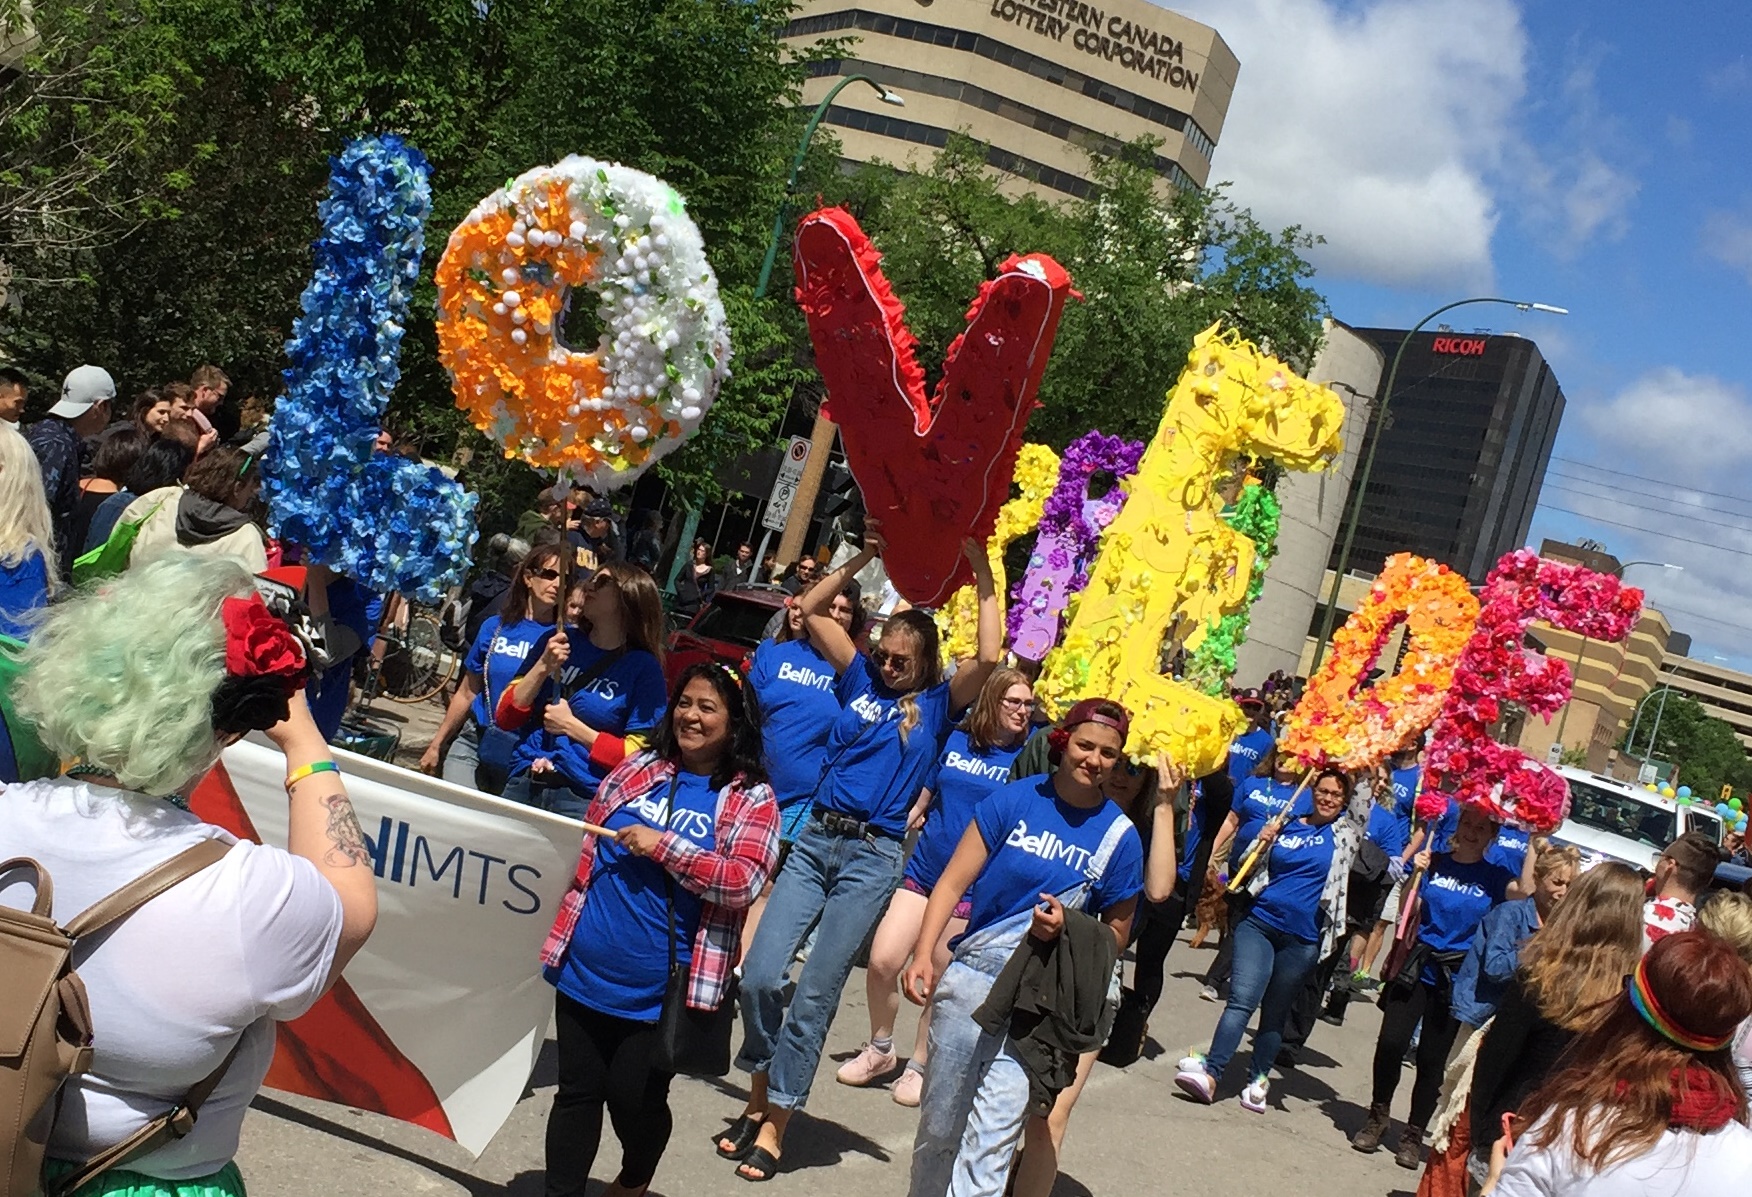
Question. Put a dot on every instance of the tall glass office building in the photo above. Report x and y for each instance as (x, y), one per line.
(1042, 82)
(1469, 433)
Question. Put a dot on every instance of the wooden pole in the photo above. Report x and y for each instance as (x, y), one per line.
(1239, 881)
(821, 439)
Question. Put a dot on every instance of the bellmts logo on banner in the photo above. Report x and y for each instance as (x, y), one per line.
(467, 889)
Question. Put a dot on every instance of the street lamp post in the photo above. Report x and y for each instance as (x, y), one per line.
(821, 436)
(1563, 716)
(1362, 482)
(772, 250)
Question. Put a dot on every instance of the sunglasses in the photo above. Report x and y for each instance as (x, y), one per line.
(546, 575)
(887, 660)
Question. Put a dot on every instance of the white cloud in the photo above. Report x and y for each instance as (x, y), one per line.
(1727, 237)
(1569, 194)
(1382, 129)
(1686, 427)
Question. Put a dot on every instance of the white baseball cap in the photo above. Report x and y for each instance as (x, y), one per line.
(83, 387)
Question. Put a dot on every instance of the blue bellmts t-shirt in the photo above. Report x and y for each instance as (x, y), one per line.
(961, 779)
(1456, 897)
(501, 652)
(1039, 844)
(23, 588)
(618, 961)
(628, 697)
(1301, 858)
(1245, 751)
(871, 774)
(1387, 831)
(794, 686)
(1509, 850)
(1257, 800)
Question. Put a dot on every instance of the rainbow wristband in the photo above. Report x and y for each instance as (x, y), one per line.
(303, 771)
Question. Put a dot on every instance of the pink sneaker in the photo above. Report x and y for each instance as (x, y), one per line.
(908, 1088)
(867, 1067)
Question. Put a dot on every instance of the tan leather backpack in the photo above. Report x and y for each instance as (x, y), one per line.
(45, 1025)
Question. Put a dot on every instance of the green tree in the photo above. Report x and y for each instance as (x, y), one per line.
(697, 91)
(1704, 749)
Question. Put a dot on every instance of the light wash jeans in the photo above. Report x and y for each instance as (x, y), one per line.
(1270, 970)
(462, 758)
(845, 884)
(975, 1103)
(559, 799)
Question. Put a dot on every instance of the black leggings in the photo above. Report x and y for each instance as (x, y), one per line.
(1158, 924)
(604, 1059)
(1399, 1018)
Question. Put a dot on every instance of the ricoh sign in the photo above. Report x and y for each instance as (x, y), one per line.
(1459, 346)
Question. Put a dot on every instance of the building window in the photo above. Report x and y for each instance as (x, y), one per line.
(1005, 55)
(913, 131)
(977, 97)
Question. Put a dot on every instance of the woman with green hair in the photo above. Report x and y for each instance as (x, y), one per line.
(139, 685)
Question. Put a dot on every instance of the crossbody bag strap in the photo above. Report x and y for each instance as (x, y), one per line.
(143, 889)
(600, 666)
(668, 878)
(168, 1127)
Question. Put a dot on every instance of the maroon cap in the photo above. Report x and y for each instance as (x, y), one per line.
(1089, 711)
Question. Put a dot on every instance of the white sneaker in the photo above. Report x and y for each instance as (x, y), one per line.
(1209, 994)
(1253, 1097)
(867, 1067)
(1194, 1081)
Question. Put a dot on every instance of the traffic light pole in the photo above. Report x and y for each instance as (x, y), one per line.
(808, 488)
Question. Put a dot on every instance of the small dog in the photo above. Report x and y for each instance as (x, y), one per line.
(1212, 910)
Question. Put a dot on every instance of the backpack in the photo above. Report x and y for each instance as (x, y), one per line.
(46, 1031)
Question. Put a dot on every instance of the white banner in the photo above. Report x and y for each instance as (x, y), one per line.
(440, 1017)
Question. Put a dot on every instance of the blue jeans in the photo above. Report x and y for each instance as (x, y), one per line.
(975, 1102)
(558, 798)
(462, 758)
(1269, 971)
(846, 884)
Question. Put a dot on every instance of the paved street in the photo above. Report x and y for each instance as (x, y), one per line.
(1130, 1126)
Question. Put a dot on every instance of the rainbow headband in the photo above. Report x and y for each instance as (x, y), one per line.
(1643, 1001)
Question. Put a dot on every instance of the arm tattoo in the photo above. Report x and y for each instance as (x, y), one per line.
(346, 839)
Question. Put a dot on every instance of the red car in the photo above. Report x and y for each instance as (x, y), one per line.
(726, 629)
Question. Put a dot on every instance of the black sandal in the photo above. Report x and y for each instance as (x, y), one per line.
(764, 1160)
(742, 1133)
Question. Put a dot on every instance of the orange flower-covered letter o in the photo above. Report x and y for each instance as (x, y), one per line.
(529, 251)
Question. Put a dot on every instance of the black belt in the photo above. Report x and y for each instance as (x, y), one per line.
(834, 823)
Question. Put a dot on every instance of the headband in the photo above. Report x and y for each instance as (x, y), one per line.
(259, 644)
(1643, 1001)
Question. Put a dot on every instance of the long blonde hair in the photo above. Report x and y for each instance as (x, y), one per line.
(26, 526)
(922, 630)
(1575, 965)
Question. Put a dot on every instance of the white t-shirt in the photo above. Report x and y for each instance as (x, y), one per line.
(1682, 1164)
(243, 943)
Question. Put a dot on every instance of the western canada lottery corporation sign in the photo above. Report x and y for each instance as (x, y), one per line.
(1102, 34)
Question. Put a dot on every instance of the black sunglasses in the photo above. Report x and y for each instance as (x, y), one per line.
(546, 575)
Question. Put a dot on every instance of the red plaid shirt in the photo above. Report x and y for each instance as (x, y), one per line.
(727, 879)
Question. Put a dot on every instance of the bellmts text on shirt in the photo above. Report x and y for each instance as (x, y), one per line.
(794, 686)
(962, 778)
(1040, 844)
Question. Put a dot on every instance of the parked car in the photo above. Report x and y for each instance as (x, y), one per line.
(1617, 820)
(726, 629)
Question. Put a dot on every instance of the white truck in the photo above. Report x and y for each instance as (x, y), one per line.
(1618, 820)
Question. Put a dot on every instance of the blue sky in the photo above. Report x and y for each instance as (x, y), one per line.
(1592, 155)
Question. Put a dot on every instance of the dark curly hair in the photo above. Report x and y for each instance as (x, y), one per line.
(742, 754)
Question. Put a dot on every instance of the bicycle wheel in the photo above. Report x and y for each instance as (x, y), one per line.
(420, 664)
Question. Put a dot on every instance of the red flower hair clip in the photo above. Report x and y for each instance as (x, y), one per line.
(259, 644)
